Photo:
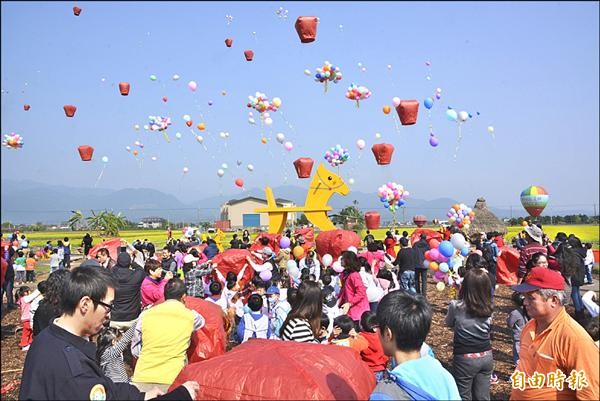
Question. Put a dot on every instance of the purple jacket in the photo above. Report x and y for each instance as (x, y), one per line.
(354, 291)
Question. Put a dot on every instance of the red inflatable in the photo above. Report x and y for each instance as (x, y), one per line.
(431, 235)
(306, 28)
(334, 242)
(303, 166)
(281, 370)
(372, 220)
(309, 238)
(228, 42)
(85, 152)
(383, 153)
(210, 340)
(124, 88)
(69, 110)
(507, 266)
(233, 260)
(249, 54)
(408, 111)
(273, 242)
(112, 245)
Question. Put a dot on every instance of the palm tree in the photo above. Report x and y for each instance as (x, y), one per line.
(75, 219)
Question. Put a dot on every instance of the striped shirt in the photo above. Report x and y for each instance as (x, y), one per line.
(298, 330)
(526, 253)
(112, 363)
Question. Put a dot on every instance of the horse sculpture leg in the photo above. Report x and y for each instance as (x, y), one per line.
(277, 222)
(321, 220)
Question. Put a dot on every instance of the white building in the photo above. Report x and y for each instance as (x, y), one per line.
(151, 222)
(241, 214)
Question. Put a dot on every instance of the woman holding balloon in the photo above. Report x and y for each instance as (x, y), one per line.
(353, 295)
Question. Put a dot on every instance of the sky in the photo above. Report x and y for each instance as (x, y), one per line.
(529, 70)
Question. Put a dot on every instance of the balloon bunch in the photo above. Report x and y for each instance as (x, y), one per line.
(282, 13)
(336, 156)
(13, 141)
(442, 258)
(461, 215)
(260, 102)
(158, 123)
(328, 73)
(392, 195)
(357, 93)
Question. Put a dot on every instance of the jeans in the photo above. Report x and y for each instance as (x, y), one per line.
(421, 281)
(472, 376)
(8, 289)
(373, 306)
(20, 276)
(588, 273)
(576, 297)
(407, 281)
(67, 261)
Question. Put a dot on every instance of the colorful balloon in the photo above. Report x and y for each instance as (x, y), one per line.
(328, 73)
(534, 199)
(336, 156)
(260, 102)
(13, 141)
(392, 195)
(158, 123)
(386, 109)
(357, 93)
(428, 103)
(433, 140)
(419, 220)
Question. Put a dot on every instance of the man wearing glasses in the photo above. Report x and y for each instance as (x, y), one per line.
(61, 363)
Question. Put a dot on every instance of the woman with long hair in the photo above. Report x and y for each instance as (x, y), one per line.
(303, 323)
(471, 318)
(353, 294)
(50, 307)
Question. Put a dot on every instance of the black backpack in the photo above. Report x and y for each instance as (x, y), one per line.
(488, 254)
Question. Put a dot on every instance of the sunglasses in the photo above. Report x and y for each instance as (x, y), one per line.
(109, 307)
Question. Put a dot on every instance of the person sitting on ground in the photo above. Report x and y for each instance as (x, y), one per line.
(254, 324)
(344, 334)
(152, 288)
(373, 354)
(404, 322)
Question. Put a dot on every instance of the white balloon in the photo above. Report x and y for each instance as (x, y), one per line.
(185, 170)
(327, 260)
(104, 159)
(307, 72)
(463, 116)
(224, 166)
(389, 66)
(351, 181)
(280, 137)
(458, 241)
(178, 135)
(250, 167)
(377, 135)
(128, 148)
(154, 158)
(199, 138)
(490, 129)
(175, 77)
(353, 249)
(268, 121)
(251, 121)
(222, 135)
(220, 172)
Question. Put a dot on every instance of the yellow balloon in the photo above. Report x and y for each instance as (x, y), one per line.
(276, 102)
(298, 252)
(440, 286)
(434, 266)
(263, 140)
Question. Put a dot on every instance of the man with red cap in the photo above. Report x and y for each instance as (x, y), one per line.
(558, 358)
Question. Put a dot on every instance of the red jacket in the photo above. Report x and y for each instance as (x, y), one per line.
(4, 265)
(373, 355)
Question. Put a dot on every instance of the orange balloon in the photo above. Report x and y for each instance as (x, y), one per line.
(386, 109)
(135, 152)
(434, 266)
(263, 140)
(201, 126)
(298, 252)
(456, 207)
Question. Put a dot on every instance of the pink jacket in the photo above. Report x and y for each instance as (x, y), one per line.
(152, 292)
(25, 307)
(354, 291)
(374, 256)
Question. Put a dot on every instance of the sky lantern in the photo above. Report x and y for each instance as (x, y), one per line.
(372, 220)
(85, 152)
(249, 54)
(228, 42)
(307, 29)
(69, 110)
(76, 11)
(419, 220)
(383, 153)
(26, 107)
(408, 111)
(124, 88)
(304, 167)
(534, 199)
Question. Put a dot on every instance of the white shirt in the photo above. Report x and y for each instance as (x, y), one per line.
(221, 301)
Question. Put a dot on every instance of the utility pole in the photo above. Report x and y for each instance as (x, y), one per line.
(594, 209)
(511, 215)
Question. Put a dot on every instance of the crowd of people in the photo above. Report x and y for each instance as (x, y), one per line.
(372, 299)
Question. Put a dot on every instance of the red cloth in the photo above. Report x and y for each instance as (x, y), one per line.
(273, 242)
(4, 266)
(334, 242)
(500, 241)
(373, 356)
(233, 260)
(210, 340)
(431, 234)
(507, 266)
(390, 243)
(112, 245)
(309, 237)
(281, 370)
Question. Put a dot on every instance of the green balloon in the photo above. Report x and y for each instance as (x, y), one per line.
(153, 77)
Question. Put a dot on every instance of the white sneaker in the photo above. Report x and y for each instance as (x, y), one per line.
(25, 348)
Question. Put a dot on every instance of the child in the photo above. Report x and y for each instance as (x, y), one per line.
(345, 335)
(54, 261)
(30, 268)
(325, 329)
(373, 355)
(19, 266)
(216, 295)
(36, 298)
(515, 322)
(330, 306)
(27, 334)
(109, 353)
(254, 324)
(278, 310)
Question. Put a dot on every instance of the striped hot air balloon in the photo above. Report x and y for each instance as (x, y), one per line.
(534, 199)
(420, 220)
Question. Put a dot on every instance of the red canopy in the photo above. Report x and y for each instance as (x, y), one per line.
(210, 340)
(112, 245)
(431, 234)
(281, 370)
(507, 266)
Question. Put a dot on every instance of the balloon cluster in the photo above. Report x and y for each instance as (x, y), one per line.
(158, 123)
(442, 258)
(336, 156)
(13, 141)
(261, 103)
(392, 195)
(328, 73)
(461, 215)
(282, 13)
(357, 93)
(459, 117)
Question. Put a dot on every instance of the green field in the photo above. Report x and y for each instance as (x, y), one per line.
(587, 233)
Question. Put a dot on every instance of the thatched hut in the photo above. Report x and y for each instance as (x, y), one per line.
(485, 220)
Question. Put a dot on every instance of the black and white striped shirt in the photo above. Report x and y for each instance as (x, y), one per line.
(298, 330)
(112, 363)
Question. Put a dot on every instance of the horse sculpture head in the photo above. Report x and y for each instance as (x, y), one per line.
(331, 181)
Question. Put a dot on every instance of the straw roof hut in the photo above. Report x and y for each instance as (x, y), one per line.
(485, 220)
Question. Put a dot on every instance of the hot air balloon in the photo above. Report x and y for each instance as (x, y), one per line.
(228, 42)
(249, 54)
(408, 111)
(420, 220)
(70, 110)
(85, 152)
(307, 29)
(383, 153)
(124, 88)
(534, 199)
(303, 166)
(372, 220)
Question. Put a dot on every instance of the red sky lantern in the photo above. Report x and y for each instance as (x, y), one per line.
(69, 110)
(372, 220)
(228, 42)
(307, 29)
(76, 11)
(304, 167)
(124, 88)
(249, 54)
(26, 107)
(408, 111)
(85, 152)
(383, 153)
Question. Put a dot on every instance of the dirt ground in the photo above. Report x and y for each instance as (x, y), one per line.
(440, 340)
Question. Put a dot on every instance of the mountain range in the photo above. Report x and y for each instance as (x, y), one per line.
(28, 202)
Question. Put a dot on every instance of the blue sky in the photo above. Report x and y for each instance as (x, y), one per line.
(529, 69)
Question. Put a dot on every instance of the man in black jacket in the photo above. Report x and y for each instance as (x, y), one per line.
(129, 279)
(420, 247)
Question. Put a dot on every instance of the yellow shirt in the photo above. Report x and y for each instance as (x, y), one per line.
(552, 355)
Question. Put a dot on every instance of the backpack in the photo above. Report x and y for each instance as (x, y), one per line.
(488, 253)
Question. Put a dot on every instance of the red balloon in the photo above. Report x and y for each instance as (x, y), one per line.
(303, 167)
(372, 220)
(408, 111)
(307, 29)
(70, 110)
(189, 123)
(239, 182)
(124, 88)
(164, 99)
(383, 153)
(228, 42)
(76, 11)
(249, 54)
(85, 152)
(26, 107)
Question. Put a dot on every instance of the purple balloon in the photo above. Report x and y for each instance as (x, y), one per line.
(284, 242)
(433, 141)
(266, 275)
(439, 275)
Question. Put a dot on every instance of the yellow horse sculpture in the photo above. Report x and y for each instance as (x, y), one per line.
(322, 186)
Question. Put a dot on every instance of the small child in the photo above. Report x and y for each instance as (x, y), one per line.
(27, 334)
(36, 298)
(254, 324)
(345, 335)
(516, 321)
(216, 295)
(54, 260)
(373, 355)
(109, 352)
(19, 266)
(30, 268)
(325, 330)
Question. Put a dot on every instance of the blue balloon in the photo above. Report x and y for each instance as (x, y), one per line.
(428, 103)
(451, 115)
(450, 262)
(446, 248)
(384, 200)
(386, 205)
(464, 251)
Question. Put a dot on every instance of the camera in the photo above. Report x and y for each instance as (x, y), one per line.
(163, 273)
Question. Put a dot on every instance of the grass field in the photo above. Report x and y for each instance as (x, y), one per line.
(587, 233)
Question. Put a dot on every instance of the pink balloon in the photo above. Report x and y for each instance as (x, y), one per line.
(337, 266)
(192, 85)
(396, 101)
(288, 146)
(360, 144)
(434, 254)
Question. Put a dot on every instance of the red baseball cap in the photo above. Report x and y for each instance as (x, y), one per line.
(541, 278)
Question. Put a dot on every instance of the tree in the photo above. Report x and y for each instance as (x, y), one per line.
(349, 216)
(107, 224)
(75, 219)
(302, 220)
